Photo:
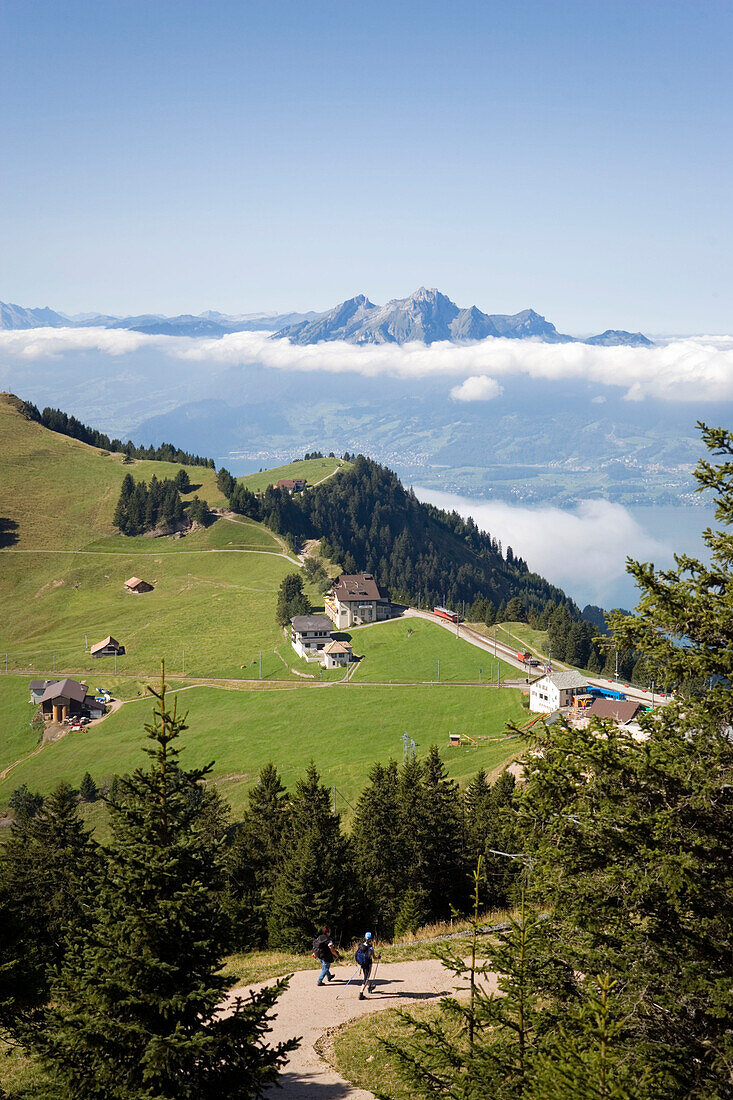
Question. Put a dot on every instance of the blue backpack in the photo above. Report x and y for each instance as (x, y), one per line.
(363, 954)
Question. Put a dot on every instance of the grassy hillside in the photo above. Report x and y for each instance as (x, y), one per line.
(62, 493)
(313, 470)
(343, 728)
(62, 577)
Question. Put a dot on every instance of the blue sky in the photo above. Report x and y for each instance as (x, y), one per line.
(175, 157)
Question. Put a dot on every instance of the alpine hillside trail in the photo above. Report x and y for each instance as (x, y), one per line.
(309, 1012)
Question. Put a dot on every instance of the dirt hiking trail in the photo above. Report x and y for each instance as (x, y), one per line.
(307, 1011)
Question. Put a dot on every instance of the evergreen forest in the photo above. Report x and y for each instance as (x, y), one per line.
(157, 506)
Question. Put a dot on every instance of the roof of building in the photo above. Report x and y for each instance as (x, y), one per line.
(134, 582)
(302, 623)
(108, 641)
(40, 685)
(64, 689)
(621, 710)
(563, 680)
(337, 646)
(93, 703)
(290, 482)
(356, 586)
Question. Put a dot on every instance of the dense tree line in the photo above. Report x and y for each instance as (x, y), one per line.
(414, 837)
(58, 421)
(146, 507)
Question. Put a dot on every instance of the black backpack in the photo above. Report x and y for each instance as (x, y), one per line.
(320, 948)
(363, 954)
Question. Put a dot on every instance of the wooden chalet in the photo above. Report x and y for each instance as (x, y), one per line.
(107, 648)
(134, 584)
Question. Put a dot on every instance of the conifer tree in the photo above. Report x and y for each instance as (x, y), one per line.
(136, 1007)
(88, 788)
(379, 850)
(482, 1046)
(631, 839)
(413, 912)
(316, 883)
(441, 839)
(182, 481)
(586, 1055)
(255, 858)
(291, 599)
(47, 879)
(24, 803)
(477, 813)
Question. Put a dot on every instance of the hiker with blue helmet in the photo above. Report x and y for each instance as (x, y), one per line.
(364, 957)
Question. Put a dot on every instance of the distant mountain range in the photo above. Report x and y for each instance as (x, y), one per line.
(209, 323)
(427, 316)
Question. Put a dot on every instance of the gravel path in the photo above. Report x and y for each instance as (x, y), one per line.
(309, 1012)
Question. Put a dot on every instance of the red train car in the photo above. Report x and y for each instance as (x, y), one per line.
(444, 613)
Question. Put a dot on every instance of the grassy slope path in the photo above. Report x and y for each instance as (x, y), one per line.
(306, 1011)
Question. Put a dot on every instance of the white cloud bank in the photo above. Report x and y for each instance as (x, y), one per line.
(696, 368)
(583, 551)
(479, 387)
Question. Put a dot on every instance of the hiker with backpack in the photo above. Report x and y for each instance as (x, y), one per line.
(364, 957)
(325, 951)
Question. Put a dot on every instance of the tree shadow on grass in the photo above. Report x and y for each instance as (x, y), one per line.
(8, 532)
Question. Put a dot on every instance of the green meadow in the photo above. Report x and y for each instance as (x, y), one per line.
(344, 728)
(312, 469)
(214, 597)
(413, 649)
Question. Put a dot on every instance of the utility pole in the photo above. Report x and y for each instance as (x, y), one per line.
(183, 662)
(405, 739)
(86, 643)
(495, 641)
(616, 651)
(334, 799)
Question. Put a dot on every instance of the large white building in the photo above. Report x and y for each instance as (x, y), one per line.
(556, 690)
(355, 599)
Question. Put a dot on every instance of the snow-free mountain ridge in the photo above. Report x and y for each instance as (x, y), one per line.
(430, 316)
(427, 316)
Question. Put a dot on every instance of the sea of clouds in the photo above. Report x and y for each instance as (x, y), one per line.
(583, 551)
(689, 369)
